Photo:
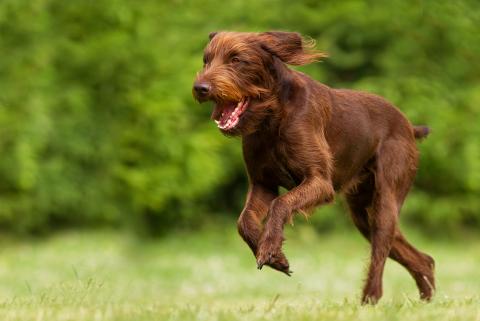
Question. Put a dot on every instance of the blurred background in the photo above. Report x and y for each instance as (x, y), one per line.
(115, 186)
(98, 126)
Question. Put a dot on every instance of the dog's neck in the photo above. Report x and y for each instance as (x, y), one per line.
(286, 88)
(284, 80)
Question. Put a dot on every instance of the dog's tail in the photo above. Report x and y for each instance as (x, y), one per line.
(421, 131)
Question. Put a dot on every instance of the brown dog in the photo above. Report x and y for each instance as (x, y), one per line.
(315, 141)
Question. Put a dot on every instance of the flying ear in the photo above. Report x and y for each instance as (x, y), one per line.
(290, 47)
(212, 34)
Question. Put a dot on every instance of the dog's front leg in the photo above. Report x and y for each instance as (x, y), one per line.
(313, 191)
(254, 212)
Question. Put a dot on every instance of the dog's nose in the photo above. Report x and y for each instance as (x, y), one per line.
(201, 89)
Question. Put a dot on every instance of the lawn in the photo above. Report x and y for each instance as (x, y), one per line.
(211, 275)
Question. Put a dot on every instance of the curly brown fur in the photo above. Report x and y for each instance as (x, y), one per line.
(314, 141)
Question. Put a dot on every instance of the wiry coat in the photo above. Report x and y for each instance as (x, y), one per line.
(315, 141)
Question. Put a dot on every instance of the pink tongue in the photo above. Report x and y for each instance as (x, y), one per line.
(227, 111)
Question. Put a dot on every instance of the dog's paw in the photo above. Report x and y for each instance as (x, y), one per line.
(281, 264)
(371, 294)
(273, 257)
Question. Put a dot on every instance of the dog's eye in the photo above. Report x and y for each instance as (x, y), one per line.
(235, 60)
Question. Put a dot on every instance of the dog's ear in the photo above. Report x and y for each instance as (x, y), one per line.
(290, 47)
(212, 34)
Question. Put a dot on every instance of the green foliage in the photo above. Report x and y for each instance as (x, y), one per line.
(97, 123)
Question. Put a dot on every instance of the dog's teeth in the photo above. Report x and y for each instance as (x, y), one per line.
(217, 122)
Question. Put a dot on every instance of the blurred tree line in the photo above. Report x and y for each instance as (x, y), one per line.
(98, 126)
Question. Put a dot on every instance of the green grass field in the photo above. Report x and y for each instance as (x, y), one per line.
(211, 275)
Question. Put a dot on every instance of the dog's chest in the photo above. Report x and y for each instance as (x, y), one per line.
(278, 167)
(272, 161)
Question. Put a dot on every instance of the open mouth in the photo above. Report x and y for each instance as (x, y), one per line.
(227, 115)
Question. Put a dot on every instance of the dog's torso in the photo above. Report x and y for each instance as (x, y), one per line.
(339, 135)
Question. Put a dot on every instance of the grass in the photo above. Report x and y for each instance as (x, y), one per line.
(210, 275)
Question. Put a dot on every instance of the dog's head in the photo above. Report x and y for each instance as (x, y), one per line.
(242, 74)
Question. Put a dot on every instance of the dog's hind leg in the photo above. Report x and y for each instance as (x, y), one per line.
(418, 264)
(375, 207)
(388, 167)
(382, 217)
